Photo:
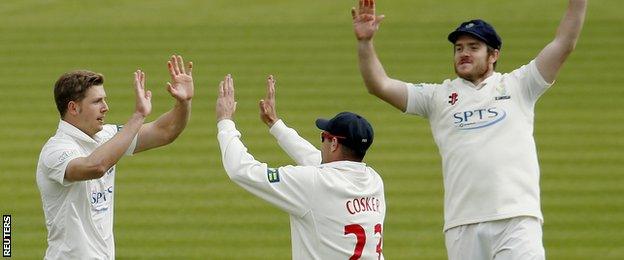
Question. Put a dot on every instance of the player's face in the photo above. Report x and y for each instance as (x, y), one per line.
(472, 61)
(92, 110)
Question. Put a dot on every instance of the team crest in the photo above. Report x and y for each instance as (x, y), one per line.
(273, 175)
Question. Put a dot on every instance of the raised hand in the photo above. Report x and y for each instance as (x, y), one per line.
(226, 104)
(268, 115)
(365, 22)
(181, 86)
(143, 97)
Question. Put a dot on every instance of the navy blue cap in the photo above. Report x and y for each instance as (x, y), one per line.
(357, 131)
(480, 30)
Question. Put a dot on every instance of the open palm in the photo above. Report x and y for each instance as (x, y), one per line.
(181, 85)
(365, 22)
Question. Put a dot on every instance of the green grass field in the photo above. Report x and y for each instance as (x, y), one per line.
(177, 203)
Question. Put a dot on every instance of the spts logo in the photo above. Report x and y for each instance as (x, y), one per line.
(478, 118)
(101, 199)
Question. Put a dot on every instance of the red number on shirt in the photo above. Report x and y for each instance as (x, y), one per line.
(360, 236)
(378, 230)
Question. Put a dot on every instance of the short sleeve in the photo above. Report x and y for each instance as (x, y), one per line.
(55, 158)
(419, 99)
(532, 84)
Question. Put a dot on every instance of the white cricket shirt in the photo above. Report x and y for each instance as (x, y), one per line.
(485, 138)
(78, 215)
(336, 209)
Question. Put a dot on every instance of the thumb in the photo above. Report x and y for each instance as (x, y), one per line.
(261, 106)
(148, 95)
(378, 19)
(169, 88)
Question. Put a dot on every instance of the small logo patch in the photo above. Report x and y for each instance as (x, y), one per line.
(453, 98)
(119, 127)
(273, 175)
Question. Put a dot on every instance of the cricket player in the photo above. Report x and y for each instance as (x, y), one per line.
(76, 168)
(482, 122)
(335, 201)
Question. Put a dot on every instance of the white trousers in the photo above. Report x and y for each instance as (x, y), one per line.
(518, 238)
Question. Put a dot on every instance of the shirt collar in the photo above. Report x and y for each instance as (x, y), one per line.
(492, 78)
(347, 165)
(71, 130)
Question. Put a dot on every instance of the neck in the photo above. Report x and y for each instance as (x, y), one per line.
(76, 125)
(478, 79)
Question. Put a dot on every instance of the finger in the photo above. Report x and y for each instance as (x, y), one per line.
(261, 106)
(170, 88)
(180, 64)
(231, 85)
(136, 82)
(142, 80)
(170, 67)
(221, 89)
(271, 90)
(353, 14)
(378, 20)
(148, 95)
(372, 4)
(226, 82)
(190, 68)
(361, 5)
(174, 63)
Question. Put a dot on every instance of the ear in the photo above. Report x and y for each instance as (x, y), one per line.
(494, 56)
(334, 145)
(73, 108)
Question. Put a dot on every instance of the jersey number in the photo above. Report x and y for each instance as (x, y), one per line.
(360, 236)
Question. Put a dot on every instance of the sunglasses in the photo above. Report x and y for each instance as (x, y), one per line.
(327, 135)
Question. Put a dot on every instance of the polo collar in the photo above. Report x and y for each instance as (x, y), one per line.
(71, 130)
(491, 79)
(347, 165)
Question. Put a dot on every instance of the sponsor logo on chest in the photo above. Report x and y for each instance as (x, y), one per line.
(478, 118)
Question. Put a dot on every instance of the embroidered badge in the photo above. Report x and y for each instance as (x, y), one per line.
(453, 98)
(273, 175)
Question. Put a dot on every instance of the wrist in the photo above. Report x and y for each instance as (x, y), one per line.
(138, 116)
(185, 103)
(223, 117)
(271, 122)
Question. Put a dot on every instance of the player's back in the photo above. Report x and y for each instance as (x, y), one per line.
(346, 215)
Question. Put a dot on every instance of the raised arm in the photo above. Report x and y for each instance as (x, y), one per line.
(299, 149)
(365, 25)
(104, 157)
(169, 125)
(285, 187)
(552, 57)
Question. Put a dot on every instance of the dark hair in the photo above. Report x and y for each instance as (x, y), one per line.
(351, 153)
(72, 86)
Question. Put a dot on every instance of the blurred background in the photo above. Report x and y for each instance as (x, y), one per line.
(176, 202)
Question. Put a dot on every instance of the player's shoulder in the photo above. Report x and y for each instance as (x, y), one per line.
(59, 141)
(109, 131)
